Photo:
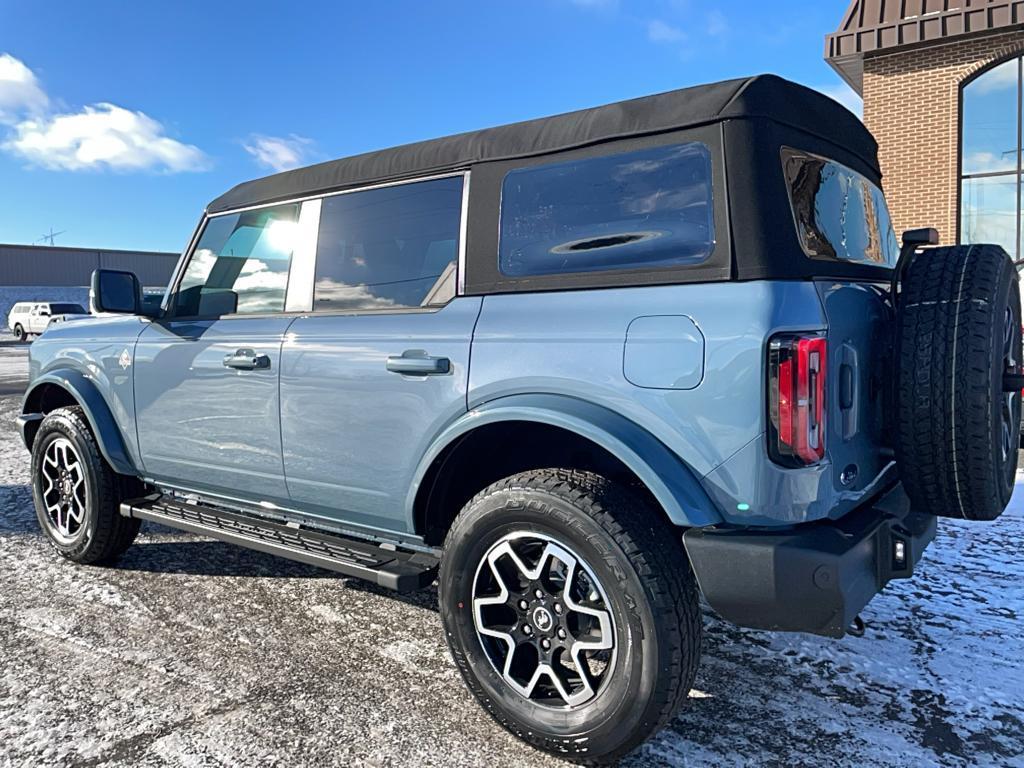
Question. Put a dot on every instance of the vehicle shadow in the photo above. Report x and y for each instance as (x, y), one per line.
(202, 557)
(163, 550)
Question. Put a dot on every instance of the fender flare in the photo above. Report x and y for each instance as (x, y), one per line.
(97, 413)
(672, 483)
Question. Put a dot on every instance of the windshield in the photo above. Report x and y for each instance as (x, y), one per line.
(839, 214)
(67, 309)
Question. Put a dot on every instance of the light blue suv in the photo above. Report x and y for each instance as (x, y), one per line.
(581, 370)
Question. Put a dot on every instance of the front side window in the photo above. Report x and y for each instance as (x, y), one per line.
(389, 248)
(839, 214)
(991, 177)
(650, 208)
(240, 264)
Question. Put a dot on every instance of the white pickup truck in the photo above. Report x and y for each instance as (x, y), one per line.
(31, 318)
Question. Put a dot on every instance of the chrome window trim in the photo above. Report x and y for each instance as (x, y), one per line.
(460, 267)
(324, 195)
(302, 270)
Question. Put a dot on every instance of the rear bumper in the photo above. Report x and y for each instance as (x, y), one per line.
(810, 578)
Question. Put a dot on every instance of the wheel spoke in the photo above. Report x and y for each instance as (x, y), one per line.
(526, 628)
(64, 488)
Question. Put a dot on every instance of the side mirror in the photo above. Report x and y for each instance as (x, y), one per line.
(921, 237)
(116, 291)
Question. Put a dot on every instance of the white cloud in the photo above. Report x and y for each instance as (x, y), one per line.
(345, 296)
(987, 162)
(845, 95)
(661, 32)
(20, 92)
(102, 136)
(1003, 77)
(280, 154)
(718, 25)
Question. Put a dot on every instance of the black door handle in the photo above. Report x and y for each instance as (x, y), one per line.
(247, 360)
(418, 364)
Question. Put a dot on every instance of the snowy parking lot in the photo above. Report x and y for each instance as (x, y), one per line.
(191, 652)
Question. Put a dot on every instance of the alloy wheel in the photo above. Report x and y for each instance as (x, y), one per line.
(544, 620)
(63, 489)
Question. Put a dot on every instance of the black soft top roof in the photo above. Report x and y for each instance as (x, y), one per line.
(763, 96)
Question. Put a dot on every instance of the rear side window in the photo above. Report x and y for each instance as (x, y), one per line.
(645, 209)
(240, 264)
(389, 248)
(839, 214)
(67, 309)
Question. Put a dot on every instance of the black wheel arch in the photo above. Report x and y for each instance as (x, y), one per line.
(526, 432)
(68, 387)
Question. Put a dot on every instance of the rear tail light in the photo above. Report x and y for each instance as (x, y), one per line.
(796, 399)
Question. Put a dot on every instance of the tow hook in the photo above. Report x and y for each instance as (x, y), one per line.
(857, 627)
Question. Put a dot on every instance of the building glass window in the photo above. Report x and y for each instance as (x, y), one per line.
(990, 158)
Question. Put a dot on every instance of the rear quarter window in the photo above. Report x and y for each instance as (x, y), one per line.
(649, 208)
(839, 214)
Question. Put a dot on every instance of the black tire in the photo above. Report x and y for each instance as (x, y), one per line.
(19, 333)
(958, 332)
(102, 534)
(645, 583)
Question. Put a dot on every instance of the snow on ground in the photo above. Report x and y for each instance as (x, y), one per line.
(194, 653)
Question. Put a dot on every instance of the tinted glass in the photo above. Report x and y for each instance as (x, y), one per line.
(240, 264)
(839, 214)
(650, 208)
(990, 121)
(988, 211)
(67, 309)
(389, 248)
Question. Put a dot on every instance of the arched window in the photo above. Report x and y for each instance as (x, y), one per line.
(990, 158)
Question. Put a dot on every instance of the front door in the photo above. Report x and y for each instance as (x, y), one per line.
(39, 318)
(381, 364)
(206, 375)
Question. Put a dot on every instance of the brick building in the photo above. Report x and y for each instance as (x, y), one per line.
(942, 84)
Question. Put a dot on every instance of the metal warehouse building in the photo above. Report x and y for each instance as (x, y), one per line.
(47, 273)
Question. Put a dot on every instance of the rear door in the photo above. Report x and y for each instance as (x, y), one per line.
(206, 376)
(842, 217)
(381, 364)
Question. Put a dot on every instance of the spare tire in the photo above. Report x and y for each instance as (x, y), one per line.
(958, 332)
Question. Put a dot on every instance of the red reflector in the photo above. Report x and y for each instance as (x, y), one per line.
(785, 393)
(796, 399)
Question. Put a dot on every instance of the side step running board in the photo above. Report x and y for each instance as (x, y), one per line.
(393, 569)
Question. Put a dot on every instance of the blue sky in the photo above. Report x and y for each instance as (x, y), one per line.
(119, 121)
